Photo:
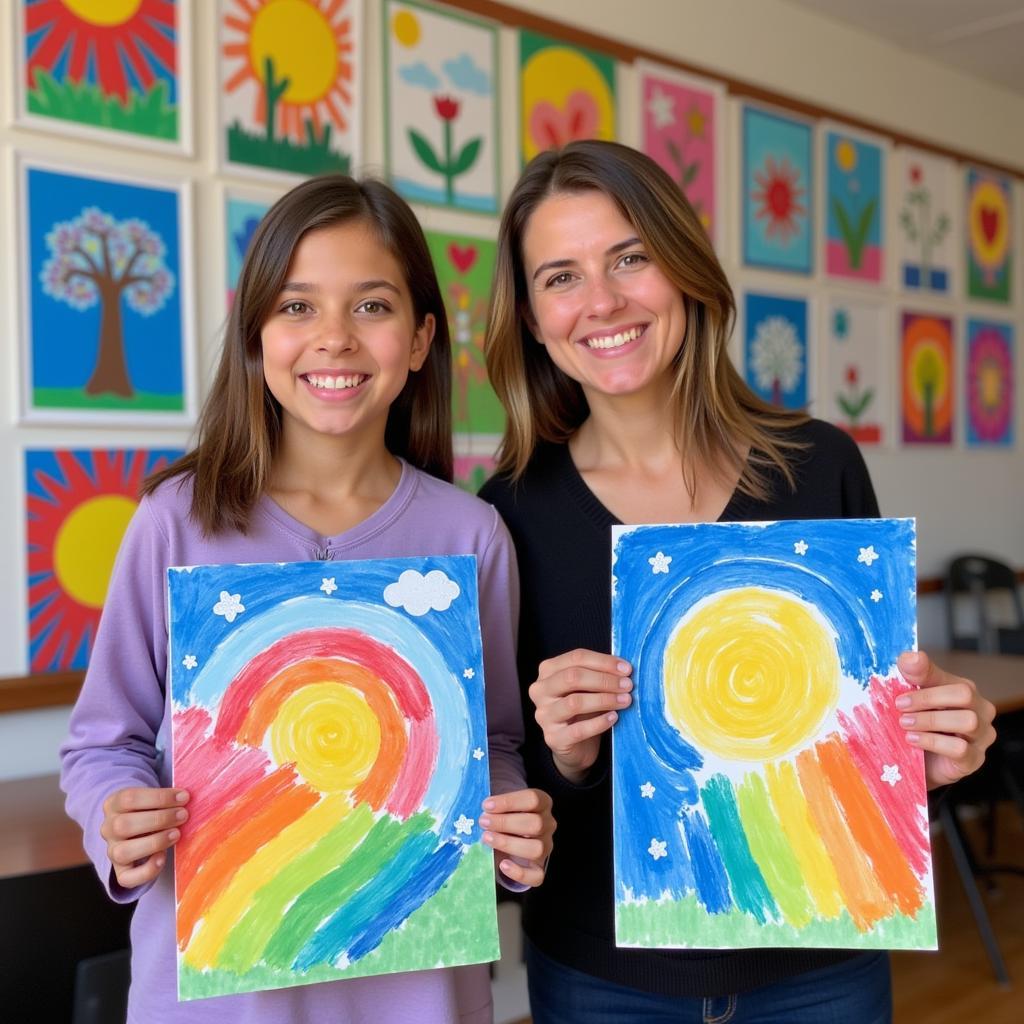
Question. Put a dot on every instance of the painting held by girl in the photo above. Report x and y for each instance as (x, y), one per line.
(325, 436)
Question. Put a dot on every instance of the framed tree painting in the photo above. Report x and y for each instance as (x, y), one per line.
(991, 390)
(566, 92)
(927, 380)
(117, 71)
(328, 720)
(990, 227)
(854, 217)
(682, 129)
(465, 265)
(764, 793)
(291, 85)
(775, 348)
(927, 204)
(778, 191)
(441, 110)
(105, 297)
(77, 506)
(859, 367)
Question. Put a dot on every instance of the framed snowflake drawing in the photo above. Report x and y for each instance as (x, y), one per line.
(775, 348)
(328, 720)
(764, 792)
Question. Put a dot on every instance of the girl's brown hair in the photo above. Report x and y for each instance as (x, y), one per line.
(717, 417)
(240, 425)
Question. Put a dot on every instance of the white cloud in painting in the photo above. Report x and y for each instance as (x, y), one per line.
(419, 594)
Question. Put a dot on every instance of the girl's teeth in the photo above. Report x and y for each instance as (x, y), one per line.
(616, 340)
(335, 383)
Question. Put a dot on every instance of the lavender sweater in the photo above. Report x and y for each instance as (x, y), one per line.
(120, 728)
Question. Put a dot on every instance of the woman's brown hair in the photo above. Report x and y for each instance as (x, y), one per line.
(717, 416)
(240, 424)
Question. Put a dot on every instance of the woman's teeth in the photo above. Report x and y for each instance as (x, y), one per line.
(615, 340)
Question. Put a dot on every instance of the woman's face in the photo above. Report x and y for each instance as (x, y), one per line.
(604, 310)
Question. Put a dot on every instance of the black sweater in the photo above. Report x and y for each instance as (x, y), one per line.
(562, 537)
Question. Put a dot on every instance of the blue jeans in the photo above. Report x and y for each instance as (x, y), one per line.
(857, 991)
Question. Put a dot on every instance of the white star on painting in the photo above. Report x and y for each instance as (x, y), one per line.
(647, 791)
(800, 547)
(463, 825)
(891, 774)
(876, 596)
(662, 108)
(468, 673)
(189, 661)
(478, 754)
(658, 848)
(868, 555)
(328, 586)
(659, 563)
(229, 605)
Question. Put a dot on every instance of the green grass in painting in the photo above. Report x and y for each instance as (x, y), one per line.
(144, 114)
(978, 287)
(311, 157)
(76, 398)
(678, 923)
(457, 920)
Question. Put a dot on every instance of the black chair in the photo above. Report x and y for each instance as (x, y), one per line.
(992, 588)
(101, 989)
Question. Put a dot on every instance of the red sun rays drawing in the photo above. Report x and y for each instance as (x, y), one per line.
(78, 504)
(779, 197)
(309, 45)
(106, 39)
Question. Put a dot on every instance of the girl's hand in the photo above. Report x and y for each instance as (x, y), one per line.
(139, 825)
(578, 696)
(947, 718)
(520, 824)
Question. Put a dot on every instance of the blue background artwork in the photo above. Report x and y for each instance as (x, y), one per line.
(775, 351)
(243, 217)
(64, 340)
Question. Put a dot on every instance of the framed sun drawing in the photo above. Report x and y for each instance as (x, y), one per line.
(77, 507)
(106, 297)
(291, 80)
(764, 793)
(118, 69)
(328, 720)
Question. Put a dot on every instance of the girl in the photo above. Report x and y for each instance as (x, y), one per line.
(607, 346)
(326, 435)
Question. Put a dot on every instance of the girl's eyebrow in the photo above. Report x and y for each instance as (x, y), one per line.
(360, 286)
(612, 250)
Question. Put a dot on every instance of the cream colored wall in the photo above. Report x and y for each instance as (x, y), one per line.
(961, 500)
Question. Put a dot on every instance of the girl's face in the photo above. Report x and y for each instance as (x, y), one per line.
(342, 338)
(602, 307)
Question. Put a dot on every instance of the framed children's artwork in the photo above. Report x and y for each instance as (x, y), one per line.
(764, 793)
(855, 214)
(77, 507)
(682, 128)
(776, 351)
(927, 201)
(114, 72)
(858, 367)
(990, 234)
(441, 106)
(778, 191)
(291, 86)
(328, 721)
(472, 471)
(991, 394)
(566, 92)
(465, 265)
(106, 298)
(243, 211)
(927, 378)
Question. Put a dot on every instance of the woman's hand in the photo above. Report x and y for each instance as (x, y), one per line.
(520, 824)
(140, 825)
(578, 696)
(947, 718)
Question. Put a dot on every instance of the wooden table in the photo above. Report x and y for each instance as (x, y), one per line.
(37, 835)
(1000, 677)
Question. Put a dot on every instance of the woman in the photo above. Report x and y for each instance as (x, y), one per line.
(607, 346)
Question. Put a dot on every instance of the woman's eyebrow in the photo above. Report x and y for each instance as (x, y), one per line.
(612, 250)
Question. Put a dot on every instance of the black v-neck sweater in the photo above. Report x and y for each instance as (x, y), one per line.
(562, 535)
